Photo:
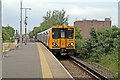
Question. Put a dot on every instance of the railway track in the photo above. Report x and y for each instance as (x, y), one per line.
(80, 70)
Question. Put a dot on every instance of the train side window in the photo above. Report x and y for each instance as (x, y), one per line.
(46, 33)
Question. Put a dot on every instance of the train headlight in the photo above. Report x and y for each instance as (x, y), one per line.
(54, 44)
(71, 44)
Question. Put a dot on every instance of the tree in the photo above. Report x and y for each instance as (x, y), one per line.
(54, 18)
(7, 33)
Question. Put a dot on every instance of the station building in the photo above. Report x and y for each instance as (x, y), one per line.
(85, 25)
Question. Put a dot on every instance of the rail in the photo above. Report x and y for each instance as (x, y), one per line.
(93, 72)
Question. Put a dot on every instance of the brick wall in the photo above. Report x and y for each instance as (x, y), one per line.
(86, 25)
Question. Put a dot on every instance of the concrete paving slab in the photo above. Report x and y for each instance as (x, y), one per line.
(22, 63)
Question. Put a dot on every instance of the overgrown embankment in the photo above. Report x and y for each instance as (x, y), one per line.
(103, 47)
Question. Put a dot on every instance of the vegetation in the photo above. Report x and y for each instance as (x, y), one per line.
(7, 33)
(52, 18)
(101, 47)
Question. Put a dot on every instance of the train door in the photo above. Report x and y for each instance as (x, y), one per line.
(62, 39)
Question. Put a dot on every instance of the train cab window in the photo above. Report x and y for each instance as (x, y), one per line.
(62, 33)
(70, 33)
(55, 33)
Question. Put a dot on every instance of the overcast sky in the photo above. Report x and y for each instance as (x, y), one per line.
(80, 9)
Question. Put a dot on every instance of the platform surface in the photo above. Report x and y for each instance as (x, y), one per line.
(33, 60)
(22, 63)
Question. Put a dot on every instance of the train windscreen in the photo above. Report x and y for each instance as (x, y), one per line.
(70, 33)
(55, 33)
(62, 33)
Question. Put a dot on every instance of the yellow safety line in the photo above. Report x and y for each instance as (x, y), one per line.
(46, 73)
(3, 49)
(0, 36)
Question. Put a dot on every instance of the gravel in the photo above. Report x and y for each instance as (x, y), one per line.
(76, 71)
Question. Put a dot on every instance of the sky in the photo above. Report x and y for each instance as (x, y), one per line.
(76, 9)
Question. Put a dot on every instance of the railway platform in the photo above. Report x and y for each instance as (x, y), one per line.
(33, 60)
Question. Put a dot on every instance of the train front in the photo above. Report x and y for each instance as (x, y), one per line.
(63, 39)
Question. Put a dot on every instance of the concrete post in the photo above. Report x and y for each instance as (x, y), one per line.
(0, 39)
(21, 23)
(0, 30)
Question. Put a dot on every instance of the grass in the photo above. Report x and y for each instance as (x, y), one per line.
(111, 62)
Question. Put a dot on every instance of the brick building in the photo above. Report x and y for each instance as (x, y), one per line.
(86, 25)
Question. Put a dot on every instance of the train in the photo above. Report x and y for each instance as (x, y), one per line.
(59, 39)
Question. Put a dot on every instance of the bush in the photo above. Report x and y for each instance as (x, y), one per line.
(101, 42)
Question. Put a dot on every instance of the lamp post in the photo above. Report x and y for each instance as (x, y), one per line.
(0, 39)
(21, 23)
(0, 30)
(26, 23)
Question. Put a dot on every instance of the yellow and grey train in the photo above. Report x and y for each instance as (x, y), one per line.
(59, 39)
